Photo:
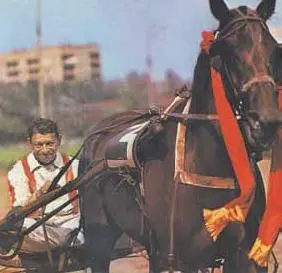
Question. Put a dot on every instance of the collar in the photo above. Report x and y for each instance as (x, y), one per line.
(35, 165)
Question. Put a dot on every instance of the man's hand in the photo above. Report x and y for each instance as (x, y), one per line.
(36, 195)
(44, 188)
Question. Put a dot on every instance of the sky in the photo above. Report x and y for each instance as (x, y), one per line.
(126, 30)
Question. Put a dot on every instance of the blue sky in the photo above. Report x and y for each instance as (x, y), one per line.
(123, 28)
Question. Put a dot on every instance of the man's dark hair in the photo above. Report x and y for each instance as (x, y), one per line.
(43, 126)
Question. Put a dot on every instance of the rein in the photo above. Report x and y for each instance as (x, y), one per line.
(186, 117)
(22, 212)
(54, 192)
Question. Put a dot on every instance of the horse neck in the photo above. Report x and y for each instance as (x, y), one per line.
(202, 101)
(205, 151)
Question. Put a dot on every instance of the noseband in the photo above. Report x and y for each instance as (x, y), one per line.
(257, 79)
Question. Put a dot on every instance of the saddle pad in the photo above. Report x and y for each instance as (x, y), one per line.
(121, 149)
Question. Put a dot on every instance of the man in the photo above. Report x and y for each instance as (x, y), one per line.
(31, 177)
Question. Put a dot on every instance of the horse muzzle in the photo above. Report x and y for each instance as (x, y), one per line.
(260, 129)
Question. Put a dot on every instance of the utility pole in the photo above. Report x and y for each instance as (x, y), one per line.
(41, 97)
(149, 61)
(148, 57)
(152, 32)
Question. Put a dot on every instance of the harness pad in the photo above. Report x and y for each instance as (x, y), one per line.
(121, 150)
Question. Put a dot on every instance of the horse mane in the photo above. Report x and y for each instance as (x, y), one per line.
(201, 95)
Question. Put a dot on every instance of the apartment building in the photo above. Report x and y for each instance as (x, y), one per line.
(64, 63)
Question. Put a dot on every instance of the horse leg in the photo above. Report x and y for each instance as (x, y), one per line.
(100, 233)
(124, 205)
(236, 255)
(100, 241)
(240, 263)
(237, 260)
(152, 249)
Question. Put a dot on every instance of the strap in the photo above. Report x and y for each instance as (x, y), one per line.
(29, 175)
(69, 177)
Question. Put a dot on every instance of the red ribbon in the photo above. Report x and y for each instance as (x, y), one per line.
(233, 138)
(272, 218)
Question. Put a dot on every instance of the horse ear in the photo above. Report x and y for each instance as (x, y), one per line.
(219, 9)
(266, 8)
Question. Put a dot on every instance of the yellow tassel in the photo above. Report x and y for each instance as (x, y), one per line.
(260, 253)
(216, 220)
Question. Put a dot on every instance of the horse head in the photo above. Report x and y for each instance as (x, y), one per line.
(248, 56)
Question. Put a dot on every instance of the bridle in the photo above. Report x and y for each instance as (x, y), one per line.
(226, 31)
(234, 94)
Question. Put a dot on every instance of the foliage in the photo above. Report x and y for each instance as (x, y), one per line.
(9, 155)
(17, 106)
(133, 93)
(75, 106)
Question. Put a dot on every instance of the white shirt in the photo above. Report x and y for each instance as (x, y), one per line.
(19, 181)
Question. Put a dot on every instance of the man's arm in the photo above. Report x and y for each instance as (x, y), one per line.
(5, 200)
(37, 194)
(18, 186)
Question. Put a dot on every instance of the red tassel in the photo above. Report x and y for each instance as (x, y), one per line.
(207, 40)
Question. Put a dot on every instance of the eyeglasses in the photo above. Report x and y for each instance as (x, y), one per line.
(47, 145)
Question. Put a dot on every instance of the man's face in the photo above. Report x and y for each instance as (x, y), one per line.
(44, 147)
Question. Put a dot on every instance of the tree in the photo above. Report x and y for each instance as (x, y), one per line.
(17, 109)
(134, 91)
(172, 81)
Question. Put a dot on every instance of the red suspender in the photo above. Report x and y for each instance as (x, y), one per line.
(31, 181)
(29, 175)
(70, 177)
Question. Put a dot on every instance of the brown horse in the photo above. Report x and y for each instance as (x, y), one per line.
(146, 202)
